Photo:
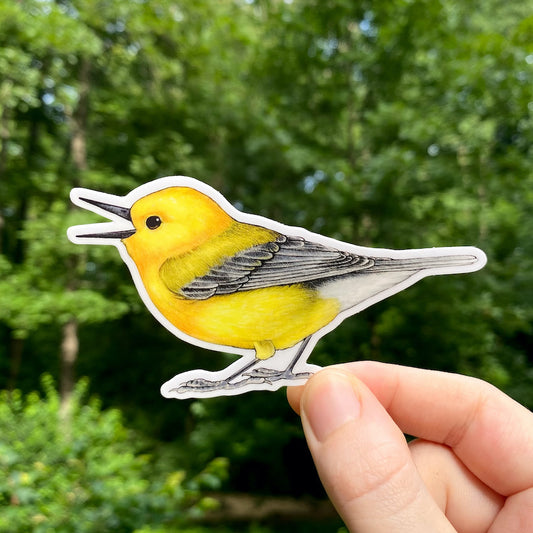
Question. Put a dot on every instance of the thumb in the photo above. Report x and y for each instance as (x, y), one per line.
(363, 459)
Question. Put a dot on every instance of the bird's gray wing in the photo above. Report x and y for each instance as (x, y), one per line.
(285, 261)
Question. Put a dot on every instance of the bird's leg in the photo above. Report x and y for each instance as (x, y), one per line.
(241, 371)
(295, 359)
(287, 373)
(251, 376)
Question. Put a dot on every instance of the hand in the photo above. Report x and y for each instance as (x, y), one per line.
(470, 470)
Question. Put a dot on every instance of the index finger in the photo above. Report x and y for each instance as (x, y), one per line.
(491, 433)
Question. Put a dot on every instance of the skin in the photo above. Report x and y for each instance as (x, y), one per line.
(470, 470)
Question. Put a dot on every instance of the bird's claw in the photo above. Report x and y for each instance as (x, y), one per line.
(271, 375)
(253, 377)
(199, 384)
(205, 385)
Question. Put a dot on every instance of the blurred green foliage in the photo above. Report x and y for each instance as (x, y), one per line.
(393, 124)
(83, 471)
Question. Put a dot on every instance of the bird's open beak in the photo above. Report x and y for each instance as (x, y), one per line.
(122, 212)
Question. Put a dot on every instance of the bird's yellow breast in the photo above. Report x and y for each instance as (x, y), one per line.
(282, 315)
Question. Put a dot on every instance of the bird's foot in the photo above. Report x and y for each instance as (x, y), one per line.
(270, 375)
(206, 385)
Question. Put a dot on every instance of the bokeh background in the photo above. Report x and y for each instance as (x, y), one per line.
(396, 124)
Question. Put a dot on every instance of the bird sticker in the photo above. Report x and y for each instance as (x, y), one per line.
(244, 284)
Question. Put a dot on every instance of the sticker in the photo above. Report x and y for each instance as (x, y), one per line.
(240, 283)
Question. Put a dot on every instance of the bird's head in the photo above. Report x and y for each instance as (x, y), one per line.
(171, 222)
(162, 224)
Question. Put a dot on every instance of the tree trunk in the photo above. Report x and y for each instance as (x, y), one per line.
(69, 355)
(78, 153)
(78, 143)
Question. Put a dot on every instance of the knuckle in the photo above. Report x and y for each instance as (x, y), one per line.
(382, 472)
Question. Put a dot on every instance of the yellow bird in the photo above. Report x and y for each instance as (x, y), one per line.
(224, 279)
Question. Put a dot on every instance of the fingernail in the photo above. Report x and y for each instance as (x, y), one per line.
(329, 402)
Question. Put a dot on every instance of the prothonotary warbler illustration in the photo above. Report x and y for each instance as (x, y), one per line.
(240, 283)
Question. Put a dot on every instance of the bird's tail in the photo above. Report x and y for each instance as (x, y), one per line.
(396, 270)
(451, 261)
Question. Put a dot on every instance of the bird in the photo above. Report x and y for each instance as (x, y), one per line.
(237, 282)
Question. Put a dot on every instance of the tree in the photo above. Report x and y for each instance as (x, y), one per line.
(93, 477)
(391, 124)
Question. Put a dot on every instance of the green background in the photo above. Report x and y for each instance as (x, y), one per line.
(395, 124)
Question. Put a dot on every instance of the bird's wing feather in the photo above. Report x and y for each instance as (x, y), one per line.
(285, 261)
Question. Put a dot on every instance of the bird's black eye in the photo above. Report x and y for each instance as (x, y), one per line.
(153, 222)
